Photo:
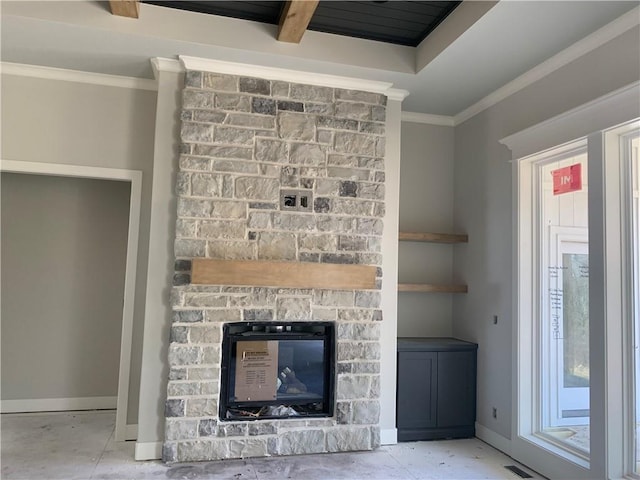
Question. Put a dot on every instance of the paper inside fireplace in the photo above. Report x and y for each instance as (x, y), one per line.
(256, 371)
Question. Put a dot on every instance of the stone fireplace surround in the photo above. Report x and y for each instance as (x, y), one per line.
(245, 139)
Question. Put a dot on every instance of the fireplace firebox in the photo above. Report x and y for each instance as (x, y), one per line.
(277, 370)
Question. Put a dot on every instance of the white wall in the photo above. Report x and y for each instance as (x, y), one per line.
(75, 123)
(64, 243)
(483, 208)
(426, 205)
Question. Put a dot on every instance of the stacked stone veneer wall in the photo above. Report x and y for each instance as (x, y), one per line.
(243, 140)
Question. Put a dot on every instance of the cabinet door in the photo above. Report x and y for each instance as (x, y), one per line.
(456, 388)
(417, 381)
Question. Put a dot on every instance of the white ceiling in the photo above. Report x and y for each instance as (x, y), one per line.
(512, 38)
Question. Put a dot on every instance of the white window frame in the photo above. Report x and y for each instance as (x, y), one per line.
(607, 459)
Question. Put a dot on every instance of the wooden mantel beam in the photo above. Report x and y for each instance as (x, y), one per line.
(125, 8)
(295, 19)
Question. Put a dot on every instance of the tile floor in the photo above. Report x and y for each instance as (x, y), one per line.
(80, 445)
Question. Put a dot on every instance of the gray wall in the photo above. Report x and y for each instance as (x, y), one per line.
(62, 305)
(55, 121)
(483, 208)
(426, 205)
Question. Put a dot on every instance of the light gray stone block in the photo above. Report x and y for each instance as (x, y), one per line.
(202, 373)
(301, 442)
(233, 102)
(353, 111)
(194, 163)
(353, 387)
(193, 78)
(276, 246)
(296, 222)
(367, 299)
(311, 93)
(228, 209)
(366, 412)
(222, 229)
(180, 429)
(333, 298)
(307, 154)
(206, 185)
(267, 150)
(251, 447)
(195, 451)
(186, 228)
(216, 81)
(183, 389)
(221, 315)
(189, 248)
(370, 226)
(206, 333)
(196, 132)
(233, 136)
(293, 308)
(201, 407)
(209, 116)
(248, 120)
(371, 190)
(197, 99)
(348, 439)
(296, 126)
(318, 242)
(355, 143)
(184, 355)
(257, 188)
(360, 96)
(232, 429)
(218, 151)
(231, 250)
(352, 207)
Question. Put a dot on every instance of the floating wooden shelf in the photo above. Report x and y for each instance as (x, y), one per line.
(258, 273)
(433, 237)
(429, 287)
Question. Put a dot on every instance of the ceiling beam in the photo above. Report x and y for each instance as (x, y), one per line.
(125, 8)
(295, 19)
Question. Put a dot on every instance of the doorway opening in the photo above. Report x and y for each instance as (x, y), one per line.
(92, 350)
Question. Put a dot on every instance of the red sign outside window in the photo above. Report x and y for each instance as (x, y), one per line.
(567, 179)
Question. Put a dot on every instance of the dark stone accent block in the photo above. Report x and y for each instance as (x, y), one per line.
(337, 123)
(337, 258)
(348, 189)
(309, 257)
(177, 373)
(252, 235)
(264, 106)
(174, 408)
(321, 205)
(188, 316)
(182, 266)
(255, 85)
(170, 452)
(291, 106)
(345, 368)
(262, 428)
(258, 315)
(179, 334)
(207, 427)
(307, 182)
(378, 271)
(193, 79)
(180, 279)
(263, 206)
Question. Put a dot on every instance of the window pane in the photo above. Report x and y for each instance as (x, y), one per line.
(564, 308)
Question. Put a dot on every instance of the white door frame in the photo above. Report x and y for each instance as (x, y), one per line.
(123, 431)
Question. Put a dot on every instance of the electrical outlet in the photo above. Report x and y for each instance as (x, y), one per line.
(494, 412)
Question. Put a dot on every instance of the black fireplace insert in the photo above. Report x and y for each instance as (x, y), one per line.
(277, 370)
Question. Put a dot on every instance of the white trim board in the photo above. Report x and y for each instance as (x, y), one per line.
(494, 439)
(50, 73)
(148, 451)
(388, 436)
(57, 404)
(126, 338)
(428, 119)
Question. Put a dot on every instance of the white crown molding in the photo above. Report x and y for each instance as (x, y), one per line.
(601, 36)
(160, 64)
(602, 113)
(286, 75)
(397, 94)
(428, 119)
(50, 73)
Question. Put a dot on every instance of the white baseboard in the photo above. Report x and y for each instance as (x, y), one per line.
(388, 436)
(148, 451)
(131, 431)
(494, 439)
(57, 404)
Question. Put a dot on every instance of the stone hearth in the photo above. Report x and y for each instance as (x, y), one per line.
(245, 141)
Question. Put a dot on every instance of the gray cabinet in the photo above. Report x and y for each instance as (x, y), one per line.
(436, 396)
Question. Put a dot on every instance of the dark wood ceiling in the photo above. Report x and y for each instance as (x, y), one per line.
(398, 22)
